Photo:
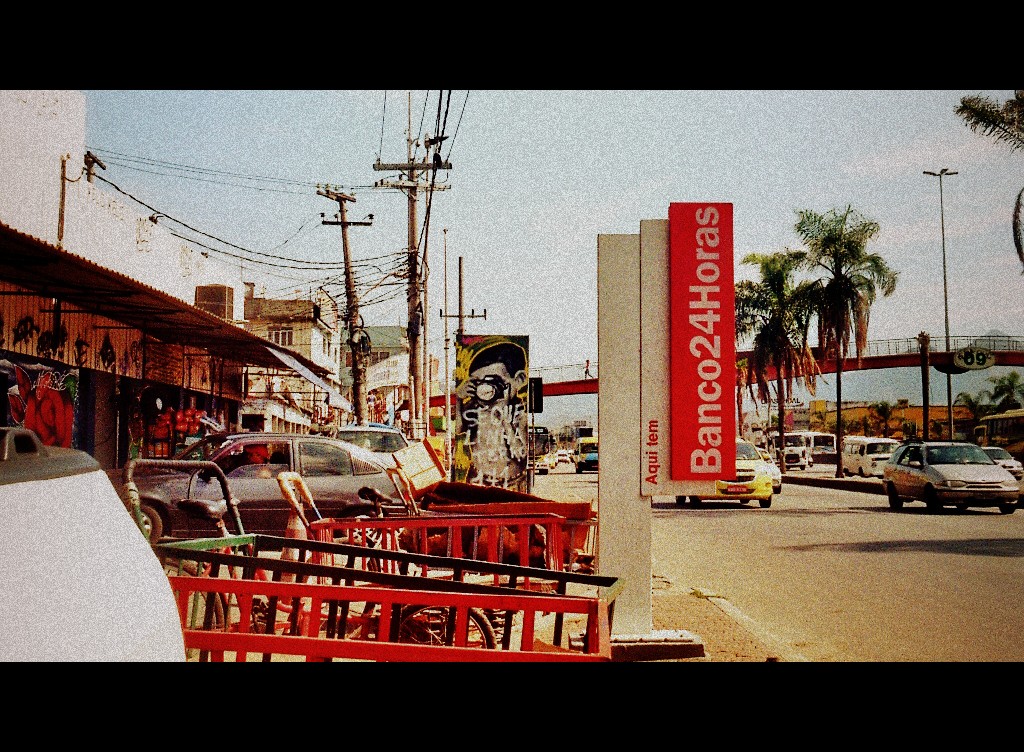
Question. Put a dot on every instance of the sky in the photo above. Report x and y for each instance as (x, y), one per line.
(537, 175)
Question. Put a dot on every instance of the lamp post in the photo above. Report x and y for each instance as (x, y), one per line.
(945, 293)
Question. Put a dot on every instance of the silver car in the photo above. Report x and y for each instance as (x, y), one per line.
(1001, 457)
(948, 473)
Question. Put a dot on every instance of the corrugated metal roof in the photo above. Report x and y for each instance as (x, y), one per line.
(46, 270)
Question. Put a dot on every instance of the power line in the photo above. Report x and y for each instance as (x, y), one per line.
(126, 160)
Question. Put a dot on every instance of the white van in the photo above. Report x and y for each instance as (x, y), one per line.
(865, 456)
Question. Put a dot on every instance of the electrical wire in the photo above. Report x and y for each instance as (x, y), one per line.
(383, 117)
(455, 135)
(178, 169)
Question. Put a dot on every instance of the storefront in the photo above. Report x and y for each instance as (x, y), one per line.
(92, 359)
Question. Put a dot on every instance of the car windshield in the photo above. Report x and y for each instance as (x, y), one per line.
(375, 441)
(998, 453)
(957, 454)
(202, 450)
(794, 441)
(880, 448)
(747, 452)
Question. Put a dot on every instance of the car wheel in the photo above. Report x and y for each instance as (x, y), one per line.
(680, 500)
(931, 500)
(895, 502)
(152, 522)
(846, 472)
(744, 502)
(695, 501)
(1007, 508)
(765, 503)
(860, 472)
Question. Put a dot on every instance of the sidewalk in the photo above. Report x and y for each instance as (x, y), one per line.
(719, 628)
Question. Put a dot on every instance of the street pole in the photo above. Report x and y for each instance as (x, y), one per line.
(462, 314)
(409, 183)
(447, 374)
(945, 295)
(356, 334)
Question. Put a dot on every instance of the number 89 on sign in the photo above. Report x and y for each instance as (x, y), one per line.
(973, 358)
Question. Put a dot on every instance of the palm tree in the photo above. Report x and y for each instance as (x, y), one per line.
(741, 384)
(978, 405)
(777, 311)
(1007, 391)
(1005, 124)
(851, 278)
(884, 412)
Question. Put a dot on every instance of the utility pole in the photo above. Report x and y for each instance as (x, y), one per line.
(447, 373)
(91, 162)
(462, 316)
(409, 183)
(358, 341)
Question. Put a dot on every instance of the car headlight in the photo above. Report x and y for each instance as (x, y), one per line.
(954, 483)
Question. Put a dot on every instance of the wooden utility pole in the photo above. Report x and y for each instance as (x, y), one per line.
(410, 184)
(358, 341)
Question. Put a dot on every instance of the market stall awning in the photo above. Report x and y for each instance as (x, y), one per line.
(47, 271)
(334, 397)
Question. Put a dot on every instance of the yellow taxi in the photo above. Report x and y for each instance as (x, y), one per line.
(752, 482)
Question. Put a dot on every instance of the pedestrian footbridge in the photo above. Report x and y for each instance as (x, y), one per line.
(879, 354)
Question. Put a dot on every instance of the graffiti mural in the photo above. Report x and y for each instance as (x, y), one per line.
(42, 399)
(492, 389)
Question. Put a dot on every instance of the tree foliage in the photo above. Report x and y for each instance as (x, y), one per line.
(849, 280)
(882, 415)
(1005, 124)
(776, 311)
(1007, 391)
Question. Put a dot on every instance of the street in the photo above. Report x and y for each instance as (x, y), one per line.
(830, 575)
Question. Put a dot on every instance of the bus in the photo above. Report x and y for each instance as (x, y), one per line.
(541, 441)
(1004, 430)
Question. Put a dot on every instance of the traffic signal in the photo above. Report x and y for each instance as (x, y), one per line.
(536, 394)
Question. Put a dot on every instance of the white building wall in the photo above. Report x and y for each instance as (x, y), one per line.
(37, 129)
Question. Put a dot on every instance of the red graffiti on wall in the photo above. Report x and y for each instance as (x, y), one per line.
(46, 407)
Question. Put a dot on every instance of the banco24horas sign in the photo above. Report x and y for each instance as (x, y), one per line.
(702, 340)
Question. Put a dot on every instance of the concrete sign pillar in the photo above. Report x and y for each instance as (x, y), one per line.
(666, 386)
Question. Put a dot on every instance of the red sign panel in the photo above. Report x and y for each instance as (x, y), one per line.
(702, 341)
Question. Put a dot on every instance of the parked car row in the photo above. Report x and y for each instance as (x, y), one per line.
(334, 471)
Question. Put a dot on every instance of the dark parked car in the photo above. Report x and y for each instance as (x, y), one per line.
(332, 469)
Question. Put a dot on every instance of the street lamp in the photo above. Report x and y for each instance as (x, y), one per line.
(945, 294)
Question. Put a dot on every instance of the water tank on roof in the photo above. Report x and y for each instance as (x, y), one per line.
(216, 299)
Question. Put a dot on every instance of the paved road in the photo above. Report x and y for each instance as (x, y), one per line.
(834, 575)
